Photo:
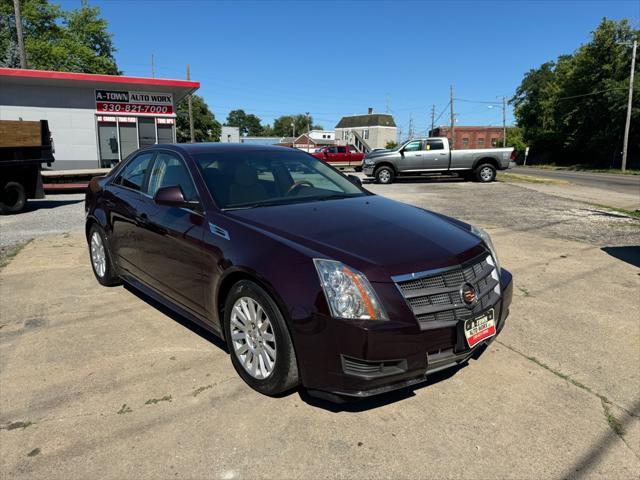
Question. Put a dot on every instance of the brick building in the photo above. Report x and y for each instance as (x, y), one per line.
(471, 137)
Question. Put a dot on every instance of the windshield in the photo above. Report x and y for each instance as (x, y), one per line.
(247, 179)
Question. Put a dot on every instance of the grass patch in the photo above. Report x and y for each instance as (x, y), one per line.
(525, 291)
(15, 425)
(124, 409)
(199, 390)
(613, 422)
(517, 178)
(9, 253)
(623, 211)
(584, 168)
(154, 401)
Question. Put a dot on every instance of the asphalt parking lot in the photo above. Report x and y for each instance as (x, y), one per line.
(102, 382)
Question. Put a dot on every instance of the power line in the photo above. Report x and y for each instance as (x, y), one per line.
(592, 93)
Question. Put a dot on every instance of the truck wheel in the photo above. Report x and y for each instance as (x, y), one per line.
(384, 175)
(12, 198)
(485, 173)
(100, 257)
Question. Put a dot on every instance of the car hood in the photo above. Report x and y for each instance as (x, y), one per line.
(378, 236)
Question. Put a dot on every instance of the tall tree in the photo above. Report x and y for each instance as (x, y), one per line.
(248, 124)
(56, 39)
(206, 127)
(282, 125)
(573, 110)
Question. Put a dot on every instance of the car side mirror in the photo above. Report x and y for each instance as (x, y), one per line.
(172, 196)
(355, 180)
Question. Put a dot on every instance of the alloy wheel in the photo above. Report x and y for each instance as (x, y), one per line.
(486, 174)
(98, 255)
(252, 337)
(384, 176)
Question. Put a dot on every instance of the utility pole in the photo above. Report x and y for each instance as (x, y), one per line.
(190, 103)
(628, 123)
(504, 122)
(410, 126)
(293, 126)
(433, 119)
(453, 127)
(153, 67)
(23, 54)
(308, 131)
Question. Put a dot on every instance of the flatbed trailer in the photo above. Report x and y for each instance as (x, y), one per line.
(24, 147)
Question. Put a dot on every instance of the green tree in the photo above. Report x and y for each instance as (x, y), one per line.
(282, 125)
(249, 124)
(573, 110)
(515, 139)
(206, 127)
(56, 39)
(391, 145)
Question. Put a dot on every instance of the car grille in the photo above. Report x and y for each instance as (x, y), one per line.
(434, 296)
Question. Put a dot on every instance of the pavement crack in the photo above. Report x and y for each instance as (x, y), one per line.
(567, 378)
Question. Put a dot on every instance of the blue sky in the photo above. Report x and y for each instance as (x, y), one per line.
(334, 58)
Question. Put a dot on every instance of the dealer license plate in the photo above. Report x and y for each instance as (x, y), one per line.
(480, 328)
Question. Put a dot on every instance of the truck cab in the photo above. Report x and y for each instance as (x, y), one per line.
(340, 156)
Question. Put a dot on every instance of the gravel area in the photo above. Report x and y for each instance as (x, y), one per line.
(511, 206)
(53, 215)
(496, 205)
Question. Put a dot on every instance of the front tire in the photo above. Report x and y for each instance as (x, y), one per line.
(13, 198)
(384, 175)
(258, 339)
(100, 257)
(486, 173)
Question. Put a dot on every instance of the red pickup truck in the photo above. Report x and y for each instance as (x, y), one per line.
(340, 157)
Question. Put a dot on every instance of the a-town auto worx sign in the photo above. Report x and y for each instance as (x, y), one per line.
(146, 103)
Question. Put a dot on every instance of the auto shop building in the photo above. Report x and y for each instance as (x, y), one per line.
(95, 120)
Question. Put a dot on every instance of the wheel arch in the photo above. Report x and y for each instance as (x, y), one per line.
(236, 275)
(385, 164)
(490, 160)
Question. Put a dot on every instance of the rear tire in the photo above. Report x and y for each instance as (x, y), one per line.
(485, 173)
(256, 332)
(384, 175)
(13, 198)
(100, 257)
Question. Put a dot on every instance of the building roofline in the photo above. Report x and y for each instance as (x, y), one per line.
(91, 77)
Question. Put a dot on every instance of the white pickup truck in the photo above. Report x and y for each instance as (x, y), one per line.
(433, 155)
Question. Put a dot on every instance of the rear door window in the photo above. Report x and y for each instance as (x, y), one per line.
(435, 145)
(134, 173)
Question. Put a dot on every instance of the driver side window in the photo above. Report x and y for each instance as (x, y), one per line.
(414, 146)
(168, 171)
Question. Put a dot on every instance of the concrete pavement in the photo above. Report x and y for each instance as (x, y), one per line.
(102, 382)
(620, 191)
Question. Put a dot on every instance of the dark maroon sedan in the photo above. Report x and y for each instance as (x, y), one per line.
(308, 277)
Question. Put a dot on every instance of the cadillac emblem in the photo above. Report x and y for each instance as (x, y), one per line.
(468, 294)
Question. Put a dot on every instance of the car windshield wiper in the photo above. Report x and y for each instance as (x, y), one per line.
(340, 195)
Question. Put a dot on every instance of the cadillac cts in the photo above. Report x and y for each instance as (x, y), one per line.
(309, 278)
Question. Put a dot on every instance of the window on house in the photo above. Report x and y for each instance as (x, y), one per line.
(465, 142)
(365, 134)
(480, 142)
(494, 142)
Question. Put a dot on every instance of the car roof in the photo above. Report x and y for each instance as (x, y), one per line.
(211, 147)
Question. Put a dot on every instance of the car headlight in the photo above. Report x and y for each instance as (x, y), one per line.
(368, 161)
(484, 236)
(348, 292)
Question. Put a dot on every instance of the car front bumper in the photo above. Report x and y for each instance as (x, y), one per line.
(359, 361)
(368, 170)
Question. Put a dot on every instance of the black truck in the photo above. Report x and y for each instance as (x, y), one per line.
(24, 147)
